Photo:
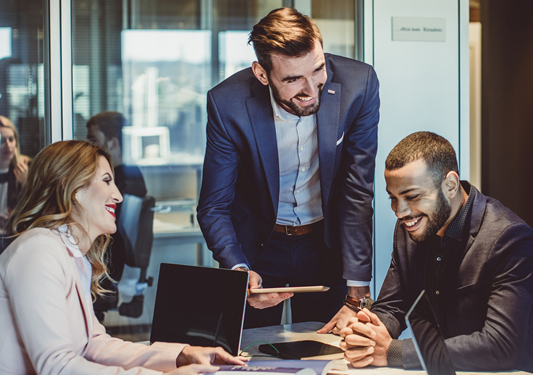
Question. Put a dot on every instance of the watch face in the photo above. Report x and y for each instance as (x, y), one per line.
(366, 302)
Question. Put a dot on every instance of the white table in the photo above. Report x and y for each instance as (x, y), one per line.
(307, 331)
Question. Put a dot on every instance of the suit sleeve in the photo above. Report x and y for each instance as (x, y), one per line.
(390, 305)
(501, 342)
(356, 185)
(111, 351)
(218, 190)
(36, 280)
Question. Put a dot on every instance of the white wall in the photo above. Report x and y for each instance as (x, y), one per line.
(422, 87)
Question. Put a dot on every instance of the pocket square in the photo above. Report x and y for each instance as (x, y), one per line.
(340, 139)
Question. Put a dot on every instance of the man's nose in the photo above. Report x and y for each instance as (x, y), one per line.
(402, 209)
(311, 87)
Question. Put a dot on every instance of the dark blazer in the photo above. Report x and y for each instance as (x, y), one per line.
(239, 197)
(488, 314)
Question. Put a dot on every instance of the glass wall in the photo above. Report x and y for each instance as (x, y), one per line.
(154, 61)
(22, 89)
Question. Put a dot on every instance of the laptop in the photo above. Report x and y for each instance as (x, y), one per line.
(200, 306)
(427, 338)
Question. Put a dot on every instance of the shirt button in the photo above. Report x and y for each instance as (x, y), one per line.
(303, 169)
(302, 148)
(437, 292)
(297, 209)
(298, 191)
(439, 259)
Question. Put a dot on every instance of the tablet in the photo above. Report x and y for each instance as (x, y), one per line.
(300, 349)
(294, 289)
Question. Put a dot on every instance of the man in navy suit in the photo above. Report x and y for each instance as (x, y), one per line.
(289, 170)
(472, 256)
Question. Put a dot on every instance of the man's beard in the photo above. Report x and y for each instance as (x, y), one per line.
(299, 111)
(436, 219)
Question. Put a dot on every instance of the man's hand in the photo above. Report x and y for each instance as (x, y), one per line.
(206, 356)
(340, 320)
(263, 300)
(366, 340)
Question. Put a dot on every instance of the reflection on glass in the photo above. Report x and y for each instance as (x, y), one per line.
(21, 92)
(5, 42)
(235, 52)
(164, 94)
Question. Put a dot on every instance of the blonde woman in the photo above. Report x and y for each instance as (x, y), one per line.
(13, 169)
(62, 225)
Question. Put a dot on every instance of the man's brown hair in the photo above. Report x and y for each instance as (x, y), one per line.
(284, 31)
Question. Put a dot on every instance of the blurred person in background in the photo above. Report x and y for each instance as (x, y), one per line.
(105, 130)
(13, 169)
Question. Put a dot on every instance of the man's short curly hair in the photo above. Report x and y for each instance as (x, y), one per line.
(436, 151)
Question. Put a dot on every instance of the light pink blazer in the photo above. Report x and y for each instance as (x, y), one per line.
(46, 326)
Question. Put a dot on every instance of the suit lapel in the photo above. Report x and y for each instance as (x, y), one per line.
(81, 296)
(262, 121)
(474, 220)
(328, 118)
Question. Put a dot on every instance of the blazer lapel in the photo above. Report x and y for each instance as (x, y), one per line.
(262, 121)
(328, 118)
(81, 296)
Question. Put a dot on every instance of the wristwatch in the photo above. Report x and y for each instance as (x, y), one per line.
(358, 304)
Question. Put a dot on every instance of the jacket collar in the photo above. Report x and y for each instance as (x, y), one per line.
(260, 113)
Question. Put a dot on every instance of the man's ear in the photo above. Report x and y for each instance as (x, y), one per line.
(112, 144)
(260, 73)
(451, 184)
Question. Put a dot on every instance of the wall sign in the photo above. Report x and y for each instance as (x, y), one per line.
(419, 29)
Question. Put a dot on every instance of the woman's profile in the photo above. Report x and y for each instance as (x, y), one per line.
(61, 226)
(13, 169)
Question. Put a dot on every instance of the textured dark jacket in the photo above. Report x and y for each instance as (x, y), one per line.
(488, 314)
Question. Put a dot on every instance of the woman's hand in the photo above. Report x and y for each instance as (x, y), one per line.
(193, 370)
(207, 356)
(21, 170)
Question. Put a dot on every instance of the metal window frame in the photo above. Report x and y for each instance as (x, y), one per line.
(60, 70)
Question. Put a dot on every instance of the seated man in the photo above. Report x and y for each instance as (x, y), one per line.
(472, 255)
(105, 130)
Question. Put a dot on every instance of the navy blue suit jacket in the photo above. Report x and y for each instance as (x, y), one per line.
(240, 190)
(488, 308)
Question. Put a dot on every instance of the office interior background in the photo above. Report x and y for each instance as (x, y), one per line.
(62, 61)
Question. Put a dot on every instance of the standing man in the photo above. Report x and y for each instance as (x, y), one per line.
(472, 256)
(289, 170)
(105, 130)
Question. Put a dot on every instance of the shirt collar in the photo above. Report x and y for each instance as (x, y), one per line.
(455, 230)
(69, 241)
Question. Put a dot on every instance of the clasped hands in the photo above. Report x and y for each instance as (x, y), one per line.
(365, 340)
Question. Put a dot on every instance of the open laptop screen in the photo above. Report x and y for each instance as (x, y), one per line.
(200, 306)
(428, 338)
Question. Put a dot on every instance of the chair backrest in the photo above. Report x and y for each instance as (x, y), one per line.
(135, 224)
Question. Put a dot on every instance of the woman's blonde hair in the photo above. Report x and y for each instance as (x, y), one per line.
(6, 123)
(56, 174)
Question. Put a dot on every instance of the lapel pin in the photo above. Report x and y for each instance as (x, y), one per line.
(331, 92)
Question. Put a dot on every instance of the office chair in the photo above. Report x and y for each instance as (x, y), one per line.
(135, 224)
